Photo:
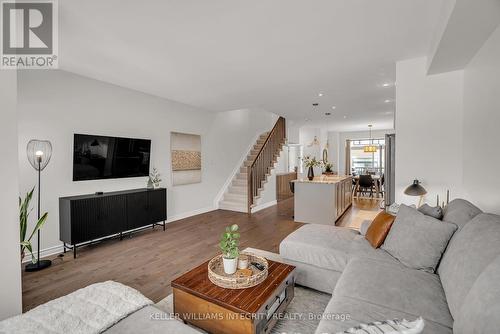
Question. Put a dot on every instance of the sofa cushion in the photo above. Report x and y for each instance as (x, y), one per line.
(460, 212)
(150, 320)
(360, 247)
(417, 240)
(342, 313)
(379, 228)
(432, 211)
(395, 287)
(323, 246)
(469, 253)
(481, 308)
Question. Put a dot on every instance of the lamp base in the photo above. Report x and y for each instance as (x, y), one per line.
(40, 265)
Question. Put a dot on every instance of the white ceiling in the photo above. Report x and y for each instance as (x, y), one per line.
(275, 55)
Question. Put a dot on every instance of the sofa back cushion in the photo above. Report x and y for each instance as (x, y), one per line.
(481, 308)
(470, 251)
(417, 240)
(460, 212)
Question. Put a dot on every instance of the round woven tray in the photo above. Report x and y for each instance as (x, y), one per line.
(217, 275)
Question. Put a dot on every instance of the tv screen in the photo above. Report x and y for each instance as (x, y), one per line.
(101, 157)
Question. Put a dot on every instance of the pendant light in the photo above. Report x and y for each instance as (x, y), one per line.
(370, 148)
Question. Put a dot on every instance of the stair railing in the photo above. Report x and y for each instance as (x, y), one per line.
(263, 162)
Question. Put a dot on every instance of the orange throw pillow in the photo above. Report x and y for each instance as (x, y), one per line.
(379, 229)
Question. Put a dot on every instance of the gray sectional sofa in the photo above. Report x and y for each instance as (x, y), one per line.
(368, 284)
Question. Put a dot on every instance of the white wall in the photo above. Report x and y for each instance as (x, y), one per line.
(54, 105)
(481, 158)
(429, 126)
(10, 278)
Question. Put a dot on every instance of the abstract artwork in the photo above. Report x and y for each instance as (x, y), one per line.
(186, 158)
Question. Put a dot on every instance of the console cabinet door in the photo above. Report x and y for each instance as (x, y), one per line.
(158, 205)
(138, 210)
(111, 215)
(84, 220)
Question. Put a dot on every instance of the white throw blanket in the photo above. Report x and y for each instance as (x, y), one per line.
(90, 310)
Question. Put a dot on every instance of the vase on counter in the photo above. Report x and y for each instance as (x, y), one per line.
(310, 174)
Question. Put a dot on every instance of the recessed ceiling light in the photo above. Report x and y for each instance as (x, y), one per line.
(386, 84)
(387, 101)
(334, 107)
(345, 116)
(328, 113)
(320, 94)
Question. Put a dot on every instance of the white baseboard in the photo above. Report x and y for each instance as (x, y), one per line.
(60, 248)
(264, 206)
(190, 214)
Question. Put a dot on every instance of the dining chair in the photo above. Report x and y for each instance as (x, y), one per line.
(365, 184)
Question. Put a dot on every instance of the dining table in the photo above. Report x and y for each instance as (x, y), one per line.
(376, 178)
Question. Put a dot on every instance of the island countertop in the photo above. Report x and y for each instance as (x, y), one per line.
(324, 179)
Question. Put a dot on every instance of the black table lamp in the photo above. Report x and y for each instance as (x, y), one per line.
(415, 189)
(39, 153)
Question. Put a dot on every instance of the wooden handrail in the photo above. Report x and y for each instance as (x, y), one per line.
(264, 160)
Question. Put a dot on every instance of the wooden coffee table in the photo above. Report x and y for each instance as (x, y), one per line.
(203, 304)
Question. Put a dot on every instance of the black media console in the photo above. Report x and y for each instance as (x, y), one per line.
(86, 218)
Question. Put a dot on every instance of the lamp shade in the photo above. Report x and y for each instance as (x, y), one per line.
(415, 189)
(39, 153)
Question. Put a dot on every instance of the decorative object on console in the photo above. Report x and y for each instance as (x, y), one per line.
(229, 245)
(434, 212)
(24, 212)
(379, 229)
(39, 153)
(415, 189)
(155, 179)
(395, 326)
(186, 158)
(310, 163)
(418, 241)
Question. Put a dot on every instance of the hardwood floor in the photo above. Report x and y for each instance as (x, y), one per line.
(150, 260)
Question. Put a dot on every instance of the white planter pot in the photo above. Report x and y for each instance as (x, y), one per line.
(230, 265)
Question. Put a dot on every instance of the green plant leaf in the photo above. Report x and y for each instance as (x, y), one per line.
(234, 228)
(39, 225)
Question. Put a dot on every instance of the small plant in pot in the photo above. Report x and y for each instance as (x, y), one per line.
(24, 212)
(310, 163)
(328, 168)
(229, 245)
(154, 179)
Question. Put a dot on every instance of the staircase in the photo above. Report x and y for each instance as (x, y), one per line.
(247, 184)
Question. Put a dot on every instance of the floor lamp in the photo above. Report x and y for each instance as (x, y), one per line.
(415, 189)
(39, 153)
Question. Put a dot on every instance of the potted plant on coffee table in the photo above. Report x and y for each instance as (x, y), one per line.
(229, 245)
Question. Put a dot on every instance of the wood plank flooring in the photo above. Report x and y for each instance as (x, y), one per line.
(150, 260)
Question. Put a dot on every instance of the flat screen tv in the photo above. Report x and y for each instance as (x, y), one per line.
(102, 157)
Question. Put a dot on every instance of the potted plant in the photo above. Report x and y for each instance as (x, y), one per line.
(24, 212)
(229, 245)
(310, 163)
(328, 168)
(155, 179)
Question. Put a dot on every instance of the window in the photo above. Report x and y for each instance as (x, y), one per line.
(367, 163)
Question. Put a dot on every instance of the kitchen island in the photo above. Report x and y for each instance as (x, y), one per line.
(322, 200)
